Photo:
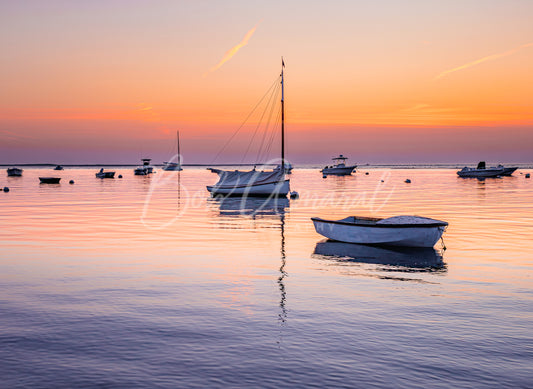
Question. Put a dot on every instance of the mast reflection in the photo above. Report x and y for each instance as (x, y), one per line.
(256, 208)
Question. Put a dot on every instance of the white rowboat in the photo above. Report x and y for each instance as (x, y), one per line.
(410, 231)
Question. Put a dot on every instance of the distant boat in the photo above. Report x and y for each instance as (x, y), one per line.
(481, 171)
(14, 172)
(59, 167)
(174, 166)
(339, 167)
(49, 180)
(288, 168)
(102, 174)
(145, 169)
(253, 182)
(410, 231)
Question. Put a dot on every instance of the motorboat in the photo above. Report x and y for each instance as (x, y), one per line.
(411, 258)
(288, 167)
(14, 172)
(103, 174)
(174, 166)
(59, 167)
(49, 180)
(145, 169)
(410, 231)
(507, 171)
(481, 171)
(339, 167)
(256, 182)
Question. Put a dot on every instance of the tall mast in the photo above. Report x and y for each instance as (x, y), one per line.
(282, 118)
(179, 155)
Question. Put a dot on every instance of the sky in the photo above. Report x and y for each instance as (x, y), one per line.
(379, 81)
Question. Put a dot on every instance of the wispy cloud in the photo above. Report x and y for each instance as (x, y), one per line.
(231, 52)
(144, 107)
(484, 59)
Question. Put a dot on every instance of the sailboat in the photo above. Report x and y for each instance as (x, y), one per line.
(256, 183)
(174, 166)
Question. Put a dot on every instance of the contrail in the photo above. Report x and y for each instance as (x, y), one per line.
(231, 52)
(484, 59)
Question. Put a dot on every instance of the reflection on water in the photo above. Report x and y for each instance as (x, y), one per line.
(250, 206)
(257, 207)
(145, 282)
(419, 259)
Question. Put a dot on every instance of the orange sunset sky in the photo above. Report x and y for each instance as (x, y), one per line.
(379, 81)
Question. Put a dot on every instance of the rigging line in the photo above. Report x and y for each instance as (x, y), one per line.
(267, 127)
(273, 133)
(242, 124)
(269, 137)
(271, 101)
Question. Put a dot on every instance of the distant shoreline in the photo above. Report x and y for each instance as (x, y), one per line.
(302, 166)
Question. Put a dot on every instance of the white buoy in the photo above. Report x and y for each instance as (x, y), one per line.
(408, 181)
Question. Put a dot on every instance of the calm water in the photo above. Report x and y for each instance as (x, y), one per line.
(147, 282)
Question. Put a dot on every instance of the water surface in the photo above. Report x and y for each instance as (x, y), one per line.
(149, 282)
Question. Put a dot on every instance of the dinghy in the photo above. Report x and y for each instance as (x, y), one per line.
(410, 231)
(14, 172)
(49, 180)
(103, 174)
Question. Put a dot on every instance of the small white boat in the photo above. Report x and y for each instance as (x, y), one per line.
(145, 169)
(481, 171)
(411, 231)
(174, 166)
(102, 174)
(339, 167)
(59, 167)
(251, 183)
(14, 172)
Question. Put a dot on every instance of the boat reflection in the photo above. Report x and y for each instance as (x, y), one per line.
(268, 208)
(409, 259)
(251, 206)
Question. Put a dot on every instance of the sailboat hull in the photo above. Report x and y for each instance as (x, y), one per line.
(172, 167)
(274, 189)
